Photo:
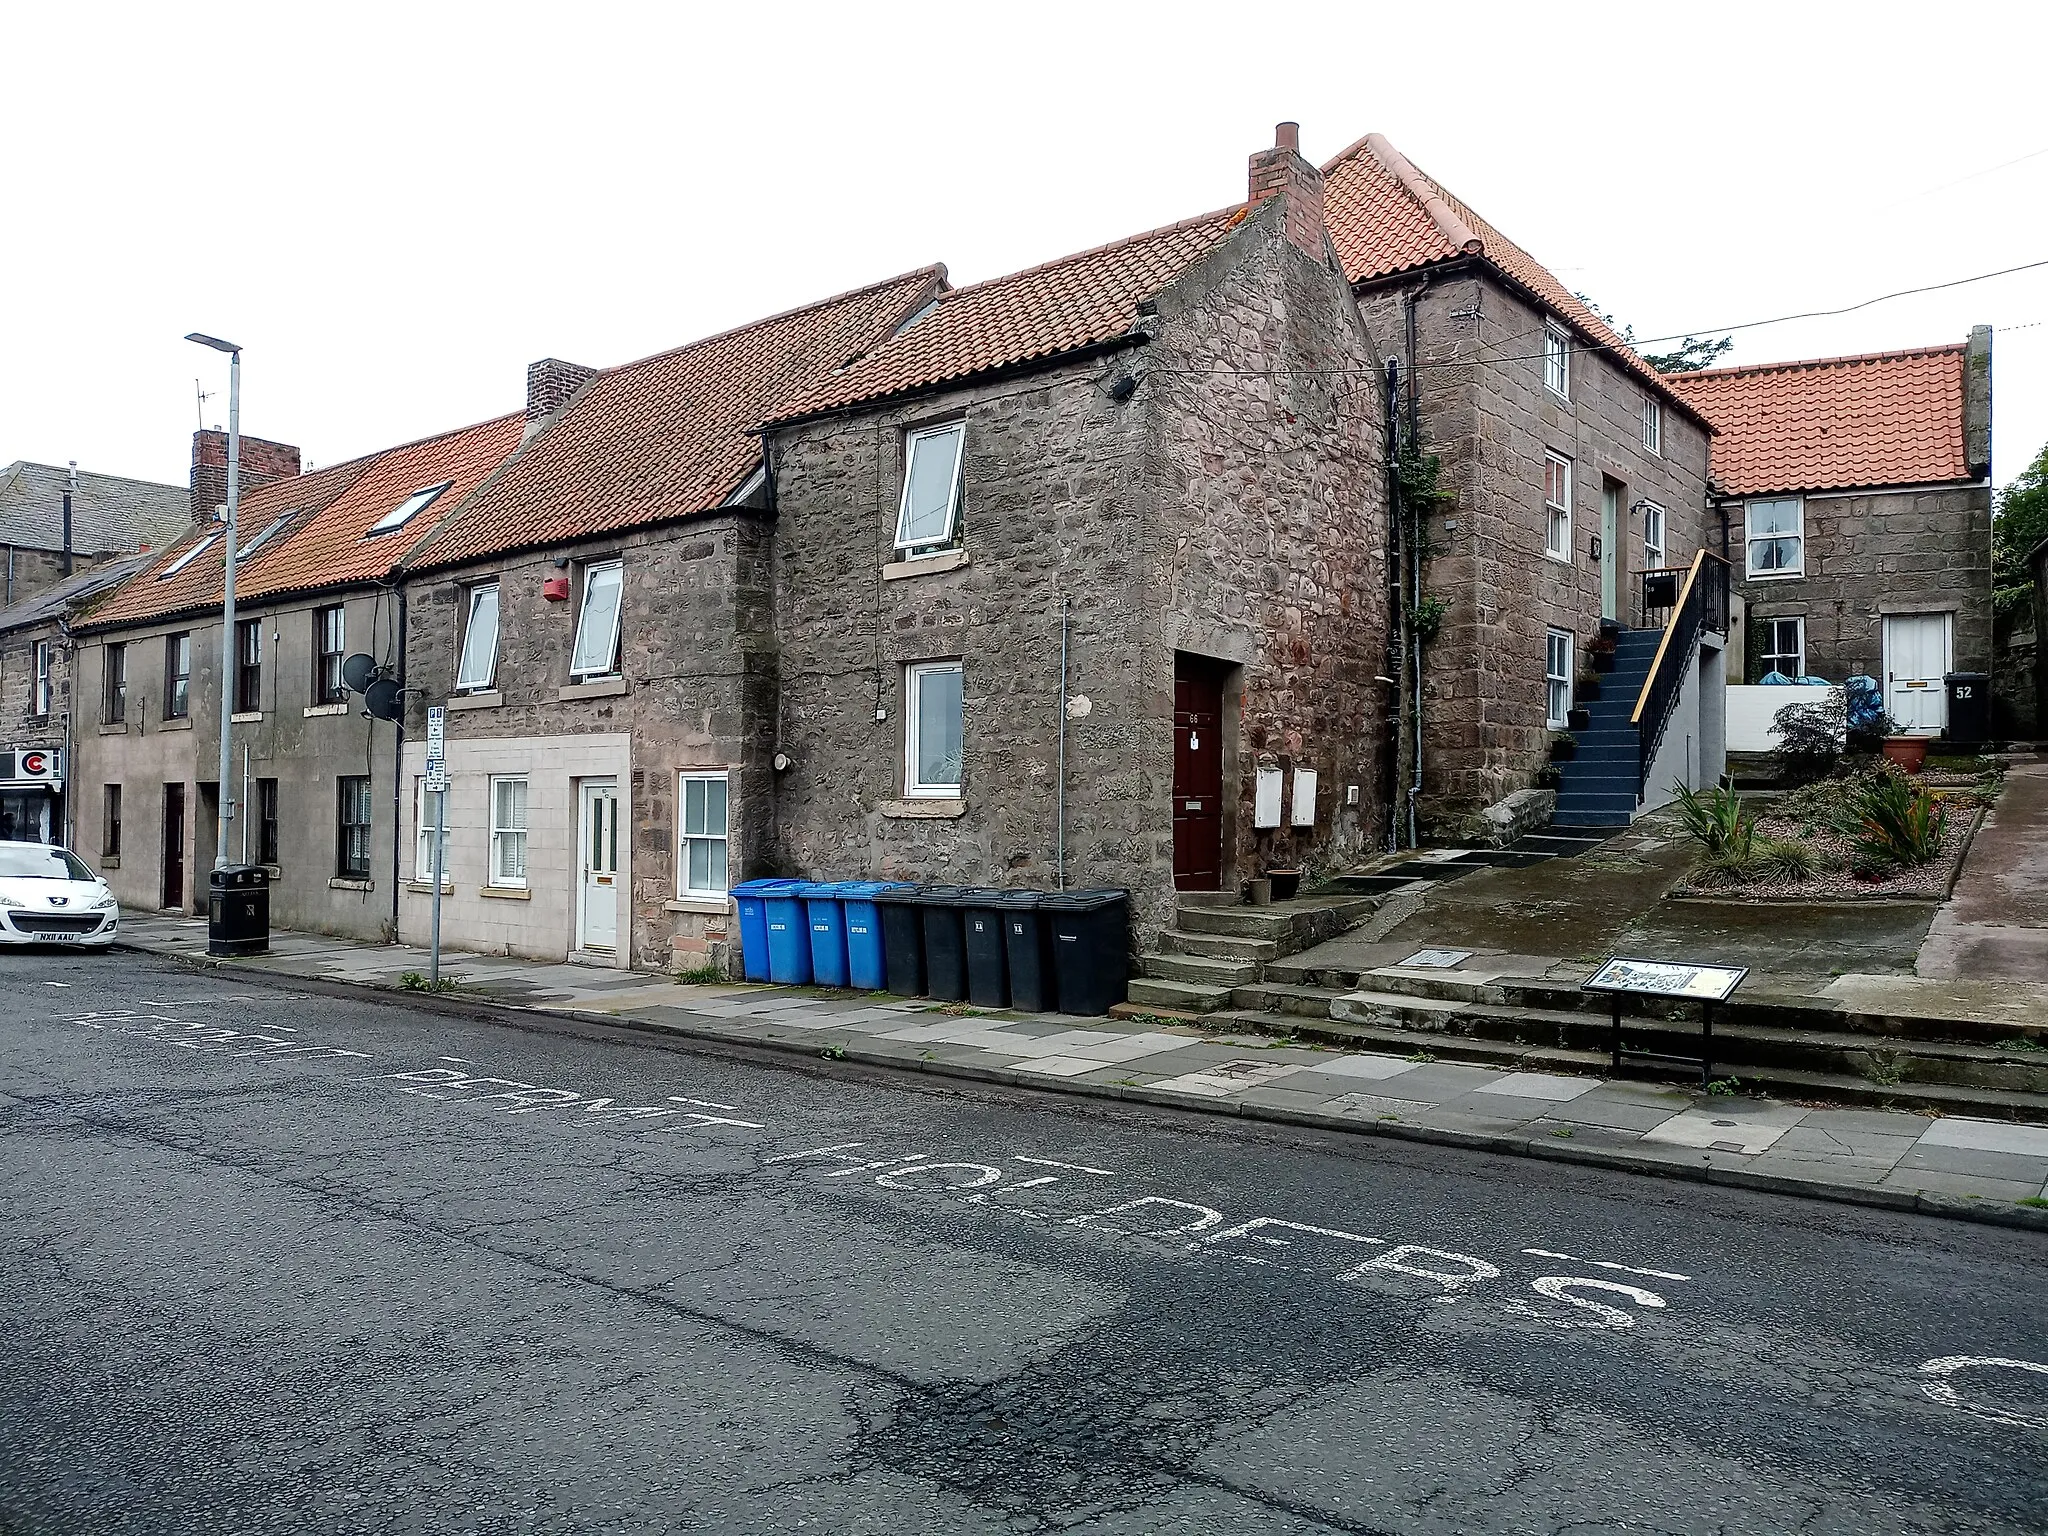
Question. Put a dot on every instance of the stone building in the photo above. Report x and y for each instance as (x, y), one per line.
(1572, 468)
(1854, 494)
(58, 520)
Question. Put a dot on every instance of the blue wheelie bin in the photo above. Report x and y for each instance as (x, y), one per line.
(752, 897)
(789, 933)
(866, 951)
(827, 922)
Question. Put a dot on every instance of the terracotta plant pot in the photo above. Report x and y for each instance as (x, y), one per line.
(1909, 752)
(1285, 883)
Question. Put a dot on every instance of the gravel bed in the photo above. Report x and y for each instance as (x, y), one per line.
(1833, 882)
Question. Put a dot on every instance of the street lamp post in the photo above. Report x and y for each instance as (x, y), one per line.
(227, 620)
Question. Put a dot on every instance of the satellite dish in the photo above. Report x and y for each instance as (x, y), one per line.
(357, 671)
(384, 699)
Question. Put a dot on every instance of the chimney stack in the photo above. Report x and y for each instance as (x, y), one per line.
(549, 384)
(1281, 172)
(263, 462)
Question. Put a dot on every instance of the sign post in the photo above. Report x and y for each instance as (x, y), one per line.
(437, 786)
(1673, 981)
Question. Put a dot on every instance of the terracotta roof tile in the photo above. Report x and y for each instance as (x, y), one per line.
(671, 434)
(1044, 311)
(1387, 216)
(1834, 423)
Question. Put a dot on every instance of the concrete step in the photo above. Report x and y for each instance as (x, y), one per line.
(1215, 973)
(1606, 819)
(1289, 925)
(1218, 946)
(1183, 996)
(1296, 999)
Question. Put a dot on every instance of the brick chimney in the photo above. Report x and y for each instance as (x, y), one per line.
(549, 384)
(1281, 172)
(263, 462)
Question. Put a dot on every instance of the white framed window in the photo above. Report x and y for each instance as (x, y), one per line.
(408, 509)
(187, 558)
(1557, 507)
(1653, 536)
(1557, 359)
(270, 531)
(1557, 677)
(934, 747)
(1784, 646)
(46, 653)
(597, 626)
(478, 667)
(930, 508)
(701, 853)
(508, 832)
(1775, 533)
(426, 808)
(1653, 426)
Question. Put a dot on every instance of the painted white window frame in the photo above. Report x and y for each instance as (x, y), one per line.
(912, 441)
(39, 703)
(1557, 677)
(610, 666)
(1557, 359)
(1751, 539)
(469, 679)
(1557, 513)
(408, 509)
(1653, 536)
(1768, 652)
(914, 676)
(423, 835)
(1653, 425)
(505, 835)
(722, 838)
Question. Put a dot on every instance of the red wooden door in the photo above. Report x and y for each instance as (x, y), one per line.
(1197, 777)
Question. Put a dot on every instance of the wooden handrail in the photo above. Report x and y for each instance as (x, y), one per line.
(1677, 612)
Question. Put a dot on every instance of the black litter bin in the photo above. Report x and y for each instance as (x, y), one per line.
(238, 910)
(988, 970)
(1027, 943)
(1969, 707)
(902, 940)
(945, 942)
(1090, 955)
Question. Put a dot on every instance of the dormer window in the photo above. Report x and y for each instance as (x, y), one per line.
(931, 486)
(187, 558)
(407, 509)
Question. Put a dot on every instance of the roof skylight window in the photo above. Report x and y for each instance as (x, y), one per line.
(187, 558)
(407, 509)
(272, 531)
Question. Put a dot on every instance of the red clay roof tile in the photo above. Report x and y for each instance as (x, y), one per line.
(1834, 423)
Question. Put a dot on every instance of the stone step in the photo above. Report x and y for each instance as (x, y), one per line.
(1218, 946)
(1290, 926)
(1186, 996)
(1215, 973)
(1297, 999)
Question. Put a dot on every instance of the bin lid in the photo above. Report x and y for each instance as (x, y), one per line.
(1966, 677)
(1084, 901)
(943, 895)
(867, 889)
(1027, 899)
(763, 887)
(240, 874)
(819, 890)
(903, 894)
(982, 895)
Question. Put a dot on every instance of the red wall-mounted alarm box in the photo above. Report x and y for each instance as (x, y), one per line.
(555, 589)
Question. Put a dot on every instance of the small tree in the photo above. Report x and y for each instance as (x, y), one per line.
(1693, 354)
(2021, 523)
(1811, 737)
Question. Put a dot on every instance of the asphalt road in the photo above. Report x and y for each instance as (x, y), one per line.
(276, 1261)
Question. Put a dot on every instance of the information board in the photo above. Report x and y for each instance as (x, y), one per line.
(1668, 978)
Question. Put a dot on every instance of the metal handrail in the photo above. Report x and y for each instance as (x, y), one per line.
(1706, 586)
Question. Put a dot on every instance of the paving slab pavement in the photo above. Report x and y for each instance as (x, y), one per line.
(1980, 1170)
(1994, 926)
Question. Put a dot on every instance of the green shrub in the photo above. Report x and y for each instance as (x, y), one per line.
(701, 975)
(1897, 823)
(1718, 821)
(1779, 858)
(1810, 738)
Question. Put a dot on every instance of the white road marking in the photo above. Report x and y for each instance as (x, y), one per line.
(1560, 1288)
(1626, 1269)
(1046, 1162)
(1943, 1391)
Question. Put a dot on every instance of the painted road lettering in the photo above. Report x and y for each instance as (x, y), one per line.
(509, 1096)
(1943, 1389)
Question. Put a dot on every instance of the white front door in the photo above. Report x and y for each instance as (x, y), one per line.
(1916, 654)
(597, 900)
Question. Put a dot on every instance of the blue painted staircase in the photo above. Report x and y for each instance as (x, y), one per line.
(1600, 787)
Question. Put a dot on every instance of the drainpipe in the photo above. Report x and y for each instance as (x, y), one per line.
(1415, 545)
(1060, 856)
(398, 767)
(1390, 773)
(69, 486)
(70, 709)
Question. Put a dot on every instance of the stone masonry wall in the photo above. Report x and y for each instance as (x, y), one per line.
(1231, 516)
(1486, 411)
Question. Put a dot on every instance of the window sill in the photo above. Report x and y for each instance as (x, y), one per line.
(489, 700)
(936, 808)
(504, 892)
(246, 717)
(1556, 559)
(115, 728)
(111, 862)
(426, 887)
(348, 883)
(175, 723)
(714, 906)
(596, 688)
(323, 709)
(925, 565)
(1777, 576)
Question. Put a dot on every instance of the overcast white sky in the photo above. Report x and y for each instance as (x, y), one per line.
(394, 208)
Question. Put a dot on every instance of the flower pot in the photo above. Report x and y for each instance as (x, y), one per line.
(1909, 752)
(1258, 893)
(1587, 686)
(1563, 751)
(1578, 720)
(1603, 661)
(1285, 883)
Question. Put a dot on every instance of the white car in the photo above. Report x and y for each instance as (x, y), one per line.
(47, 896)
